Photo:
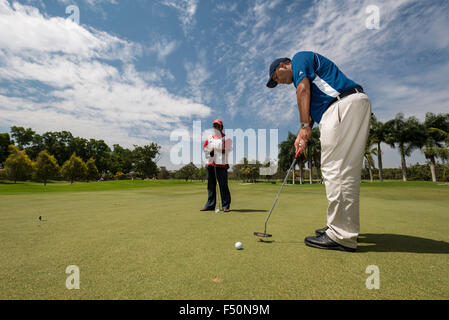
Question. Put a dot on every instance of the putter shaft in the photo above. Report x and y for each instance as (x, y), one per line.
(277, 197)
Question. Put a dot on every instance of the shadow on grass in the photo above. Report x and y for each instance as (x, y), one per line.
(248, 210)
(373, 242)
(266, 241)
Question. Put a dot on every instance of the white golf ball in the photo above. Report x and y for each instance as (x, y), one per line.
(217, 210)
(238, 245)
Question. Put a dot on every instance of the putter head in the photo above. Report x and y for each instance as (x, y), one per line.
(262, 234)
(217, 210)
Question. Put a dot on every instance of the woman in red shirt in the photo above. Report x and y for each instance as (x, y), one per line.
(216, 149)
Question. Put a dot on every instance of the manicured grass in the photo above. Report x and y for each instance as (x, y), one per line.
(148, 240)
(9, 187)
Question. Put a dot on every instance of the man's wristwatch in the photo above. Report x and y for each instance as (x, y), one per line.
(305, 125)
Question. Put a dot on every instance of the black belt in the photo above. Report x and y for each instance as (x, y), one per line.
(347, 93)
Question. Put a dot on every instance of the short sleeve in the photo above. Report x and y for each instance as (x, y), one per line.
(303, 66)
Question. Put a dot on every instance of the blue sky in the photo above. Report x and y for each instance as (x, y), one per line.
(133, 71)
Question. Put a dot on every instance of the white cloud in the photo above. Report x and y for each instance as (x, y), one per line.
(186, 10)
(261, 12)
(92, 86)
(96, 6)
(27, 32)
(397, 64)
(400, 95)
(197, 77)
(91, 3)
(162, 48)
(335, 29)
(226, 7)
(36, 3)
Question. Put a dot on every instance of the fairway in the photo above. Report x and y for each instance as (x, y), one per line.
(148, 240)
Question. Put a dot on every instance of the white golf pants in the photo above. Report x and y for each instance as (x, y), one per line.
(344, 130)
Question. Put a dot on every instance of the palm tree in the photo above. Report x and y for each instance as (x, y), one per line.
(406, 135)
(436, 134)
(443, 154)
(369, 151)
(287, 154)
(313, 152)
(301, 171)
(308, 155)
(377, 133)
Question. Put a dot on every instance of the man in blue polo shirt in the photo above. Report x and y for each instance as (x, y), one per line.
(326, 96)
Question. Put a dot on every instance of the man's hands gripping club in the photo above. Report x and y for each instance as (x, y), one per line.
(301, 140)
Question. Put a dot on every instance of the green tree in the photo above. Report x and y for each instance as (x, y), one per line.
(37, 145)
(18, 165)
(377, 134)
(58, 145)
(369, 151)
(237, 169)
(202, 173)
(74, 169)
(3, 175)
(254, 167)
(145, 160)
(312, 154)
(443, 153)
(79, 146)
(187, 172)
(92, 171)
(101, 152)
(436, 127)
(46, 167)
(246, 173)
(287, 154)
(247, 170)
(22, 136)
(122, 159)
(406, 135)
(163, 173)
(5, 141)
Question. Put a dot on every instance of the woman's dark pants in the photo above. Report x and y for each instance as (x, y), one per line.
(222, 175)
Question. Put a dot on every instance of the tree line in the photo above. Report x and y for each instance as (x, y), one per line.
(60, 155)
(188, 172)
(406, 135)
(246, 171)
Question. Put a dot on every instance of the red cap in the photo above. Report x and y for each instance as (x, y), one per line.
(219, 122)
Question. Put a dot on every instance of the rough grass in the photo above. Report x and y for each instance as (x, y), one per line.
(148, 240)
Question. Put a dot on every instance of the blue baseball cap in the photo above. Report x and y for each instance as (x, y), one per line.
(271, 83)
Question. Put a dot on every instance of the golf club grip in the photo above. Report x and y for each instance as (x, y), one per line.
(298, 153)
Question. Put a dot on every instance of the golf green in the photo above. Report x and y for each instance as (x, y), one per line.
(148, 240)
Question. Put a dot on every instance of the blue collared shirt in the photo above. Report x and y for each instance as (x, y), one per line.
(327, 81)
